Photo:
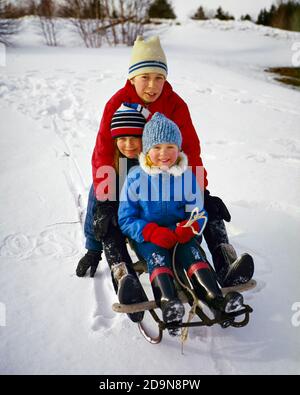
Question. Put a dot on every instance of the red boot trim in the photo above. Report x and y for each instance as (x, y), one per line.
(197, 266)
(160, 270)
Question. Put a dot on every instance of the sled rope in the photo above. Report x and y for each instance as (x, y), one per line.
(195, 215)
(185, 330)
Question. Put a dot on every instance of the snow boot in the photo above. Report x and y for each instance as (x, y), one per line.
(207, 290)
(166, 298)
(128, 288)
(232, 270)
(90, 260)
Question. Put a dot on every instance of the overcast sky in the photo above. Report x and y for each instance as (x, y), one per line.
(235, 7)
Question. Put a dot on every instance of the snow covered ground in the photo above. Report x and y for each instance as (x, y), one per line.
(51, 100)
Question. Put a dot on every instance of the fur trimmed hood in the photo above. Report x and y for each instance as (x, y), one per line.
(176, 170)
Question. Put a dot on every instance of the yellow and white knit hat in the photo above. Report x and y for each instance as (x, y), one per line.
(147, 57)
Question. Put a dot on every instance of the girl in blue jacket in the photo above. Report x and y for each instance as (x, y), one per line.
(155, 204)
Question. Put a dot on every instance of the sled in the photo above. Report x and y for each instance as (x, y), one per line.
(223, 319)
(187, 295)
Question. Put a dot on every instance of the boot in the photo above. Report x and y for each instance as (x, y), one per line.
(166, 298)
(231, 269)
(90, 260)
(129, 289)
(207, 289)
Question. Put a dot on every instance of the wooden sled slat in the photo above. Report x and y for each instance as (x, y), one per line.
(134, 308)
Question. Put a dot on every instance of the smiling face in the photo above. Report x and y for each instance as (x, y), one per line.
(130, 146)
(148, 86)
(164, 155)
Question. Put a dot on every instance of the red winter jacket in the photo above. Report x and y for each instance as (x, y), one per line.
(169, 103)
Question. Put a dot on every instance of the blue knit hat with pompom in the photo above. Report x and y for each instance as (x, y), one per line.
(160, 130)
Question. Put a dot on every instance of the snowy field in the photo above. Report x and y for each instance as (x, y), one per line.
(51, 101)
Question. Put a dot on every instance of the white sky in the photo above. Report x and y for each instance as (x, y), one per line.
(236, 8)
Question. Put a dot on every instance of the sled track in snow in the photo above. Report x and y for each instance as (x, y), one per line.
(67, 114)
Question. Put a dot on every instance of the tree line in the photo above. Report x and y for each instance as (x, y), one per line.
(283, 15)
(120, 21)
(96, 21)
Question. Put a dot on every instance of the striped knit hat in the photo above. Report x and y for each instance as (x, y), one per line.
(147, 57)
(129, 120)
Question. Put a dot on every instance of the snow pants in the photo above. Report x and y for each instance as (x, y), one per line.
(90, 242)
(158, 257)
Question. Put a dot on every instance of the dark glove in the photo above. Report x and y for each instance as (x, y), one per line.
(89, 261)
(215, 207)
(106, 215)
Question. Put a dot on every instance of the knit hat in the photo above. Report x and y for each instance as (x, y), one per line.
(160, 130)
(147, 57)
(129, 120)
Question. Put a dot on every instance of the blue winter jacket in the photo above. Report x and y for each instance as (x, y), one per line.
(152, 195)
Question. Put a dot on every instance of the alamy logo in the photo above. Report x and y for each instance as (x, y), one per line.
(296, 55)
(188, 187)
(2, 55)
(296, 316)
(2, 314)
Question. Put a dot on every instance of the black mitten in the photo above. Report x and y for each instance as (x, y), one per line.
(215, 207)
(89, 261)
(106, 215)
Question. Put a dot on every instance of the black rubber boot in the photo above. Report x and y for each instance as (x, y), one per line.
(207, 290)
(166, 298)
(129, 289)
(232, 270)
(90, 260)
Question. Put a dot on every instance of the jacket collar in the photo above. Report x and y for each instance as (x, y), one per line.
(176, 170)
(153, 107)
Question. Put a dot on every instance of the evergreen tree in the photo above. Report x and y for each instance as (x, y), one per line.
(161, 9)
(295, 21)
(246, 17)
(270, 15)
(199, 14)
(261, 18)
(284, 16)
(223, 16)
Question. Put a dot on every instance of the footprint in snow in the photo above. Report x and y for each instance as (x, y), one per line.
(103, 316)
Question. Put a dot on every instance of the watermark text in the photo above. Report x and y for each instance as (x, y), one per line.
(2, 314)
(296, 55)
(2, 55)
(296, 316)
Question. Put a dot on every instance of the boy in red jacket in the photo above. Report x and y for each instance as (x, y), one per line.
(147, 86)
